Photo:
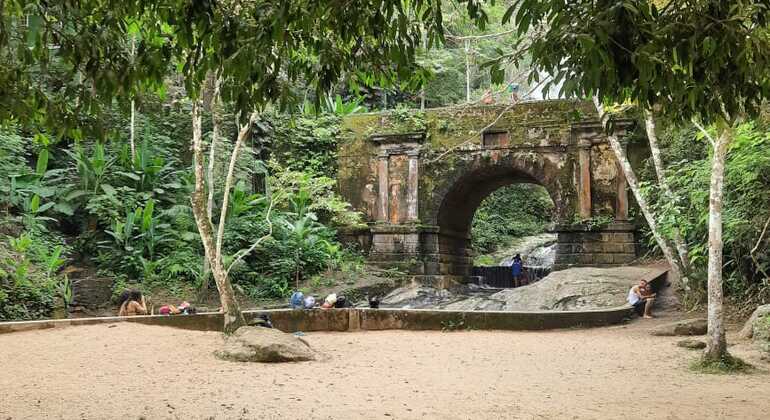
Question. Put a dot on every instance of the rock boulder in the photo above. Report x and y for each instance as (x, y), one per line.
(266, 345)
(748, 328)
(696, 326)
(691, 344)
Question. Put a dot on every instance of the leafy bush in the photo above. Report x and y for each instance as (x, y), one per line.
(28, 285)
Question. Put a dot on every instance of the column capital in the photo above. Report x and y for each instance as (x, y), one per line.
(584, 143)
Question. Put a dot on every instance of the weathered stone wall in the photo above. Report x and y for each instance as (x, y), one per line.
(420, 176)
(288, 320)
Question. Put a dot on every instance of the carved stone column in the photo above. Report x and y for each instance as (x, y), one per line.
(382, 179)
(412, 186)
(621, 208)
(584, 178)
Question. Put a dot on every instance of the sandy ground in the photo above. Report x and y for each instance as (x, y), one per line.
(132, 372)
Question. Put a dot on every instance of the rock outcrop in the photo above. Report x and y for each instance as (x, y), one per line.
(748, 328)
(266, 345)
(696, 326)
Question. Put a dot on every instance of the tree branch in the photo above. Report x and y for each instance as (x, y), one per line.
(244, 131)
(705, 133)
(652, 137)
(761, 236)
(244, 253)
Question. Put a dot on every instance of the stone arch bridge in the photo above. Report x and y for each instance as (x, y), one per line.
(418, 178)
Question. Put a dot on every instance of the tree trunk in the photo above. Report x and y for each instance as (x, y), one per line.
(244, 131)
(633, 184)
(133, 109)
(467, 71)
(233, 318)
(131, 136)
(210, 174)
(716, 344)
(681, 247)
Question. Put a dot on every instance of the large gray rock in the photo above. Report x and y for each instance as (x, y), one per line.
(696, 326)
(748, 328)
(573, 289)
(267, 345)
(566, 290)
(761, 333)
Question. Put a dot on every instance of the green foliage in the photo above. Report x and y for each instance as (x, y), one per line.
(335, 106)
(596, 222)
(13, 163)
(319, 194)
(303, 143)
(512, 211)
(634, 50)
(300, 247)
(408, 120)
(746, 204)
(28, 285)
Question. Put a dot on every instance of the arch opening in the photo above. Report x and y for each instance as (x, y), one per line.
(462, 201)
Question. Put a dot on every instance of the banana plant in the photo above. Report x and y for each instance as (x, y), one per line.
(91, 171)
(147, 171)
(53, 262)
(139, 231)
(241, 202)
(64, 290)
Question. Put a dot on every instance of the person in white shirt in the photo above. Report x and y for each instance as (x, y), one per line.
(641, 299)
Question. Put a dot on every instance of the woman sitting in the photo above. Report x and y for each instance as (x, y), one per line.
(132, 303)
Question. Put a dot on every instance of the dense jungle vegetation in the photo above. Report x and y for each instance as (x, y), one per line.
(81, 199)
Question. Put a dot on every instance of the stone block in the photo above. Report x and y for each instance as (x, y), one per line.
(613, 248)
(629, 248)
(603, 259)
(431, 267)
(623, 237)
(593, 247)
(623, 259)
(566, 259)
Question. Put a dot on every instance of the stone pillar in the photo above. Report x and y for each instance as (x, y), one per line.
(382, 178)
(412, 187)
(584, 181)
(621, 208)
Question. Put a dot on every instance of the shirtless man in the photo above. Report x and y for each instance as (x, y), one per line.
(641, 299)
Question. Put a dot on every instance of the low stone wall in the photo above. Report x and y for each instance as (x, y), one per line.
(356, 319)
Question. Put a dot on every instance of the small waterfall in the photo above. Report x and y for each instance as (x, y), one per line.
(538, 261)
(543, 256)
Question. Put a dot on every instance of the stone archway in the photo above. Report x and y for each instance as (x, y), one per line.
(460, 195)
(419, 181)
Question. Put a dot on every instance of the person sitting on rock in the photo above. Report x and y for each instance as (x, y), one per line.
(641, 298)
(132, 303)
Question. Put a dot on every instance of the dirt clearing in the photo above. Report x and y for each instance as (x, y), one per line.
(133, 371)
